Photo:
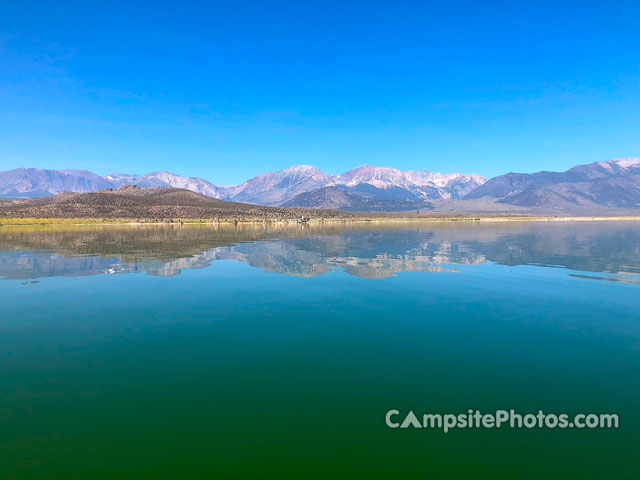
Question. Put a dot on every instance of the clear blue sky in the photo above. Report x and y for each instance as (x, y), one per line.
(227, 90)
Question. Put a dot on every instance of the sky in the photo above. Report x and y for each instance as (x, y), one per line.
(228, 90)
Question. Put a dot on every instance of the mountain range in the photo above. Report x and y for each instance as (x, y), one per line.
(410, 189)
(614, 183)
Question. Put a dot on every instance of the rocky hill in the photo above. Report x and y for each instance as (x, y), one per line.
(149, 203)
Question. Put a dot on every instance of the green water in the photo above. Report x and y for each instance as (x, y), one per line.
(198, 352)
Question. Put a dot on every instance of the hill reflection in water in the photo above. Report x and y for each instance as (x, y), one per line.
(371, 251)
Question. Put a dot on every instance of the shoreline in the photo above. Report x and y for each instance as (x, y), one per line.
(9, 222)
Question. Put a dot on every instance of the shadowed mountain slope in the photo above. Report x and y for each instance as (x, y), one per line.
(362, 198)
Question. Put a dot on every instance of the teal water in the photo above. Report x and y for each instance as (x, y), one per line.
(202, 352)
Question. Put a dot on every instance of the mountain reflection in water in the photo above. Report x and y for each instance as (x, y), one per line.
(371, 251)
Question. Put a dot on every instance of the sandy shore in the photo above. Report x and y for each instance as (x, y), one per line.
(361, 219)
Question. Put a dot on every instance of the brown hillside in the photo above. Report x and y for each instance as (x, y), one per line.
(149, 203)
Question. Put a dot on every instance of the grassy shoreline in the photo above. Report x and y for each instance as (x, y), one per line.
(315, 221)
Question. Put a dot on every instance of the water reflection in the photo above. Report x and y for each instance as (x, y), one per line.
(360, 250)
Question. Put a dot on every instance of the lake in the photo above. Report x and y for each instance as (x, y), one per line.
(276, 352)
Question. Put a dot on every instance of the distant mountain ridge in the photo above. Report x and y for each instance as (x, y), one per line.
(166, 179)
(32, 182)
(273, 189)
(615, 183)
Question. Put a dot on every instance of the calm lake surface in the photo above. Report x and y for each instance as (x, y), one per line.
(255, 352)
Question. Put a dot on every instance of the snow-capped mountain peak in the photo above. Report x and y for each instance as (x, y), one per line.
(273, 188)
(625, 162)
(385, 177)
